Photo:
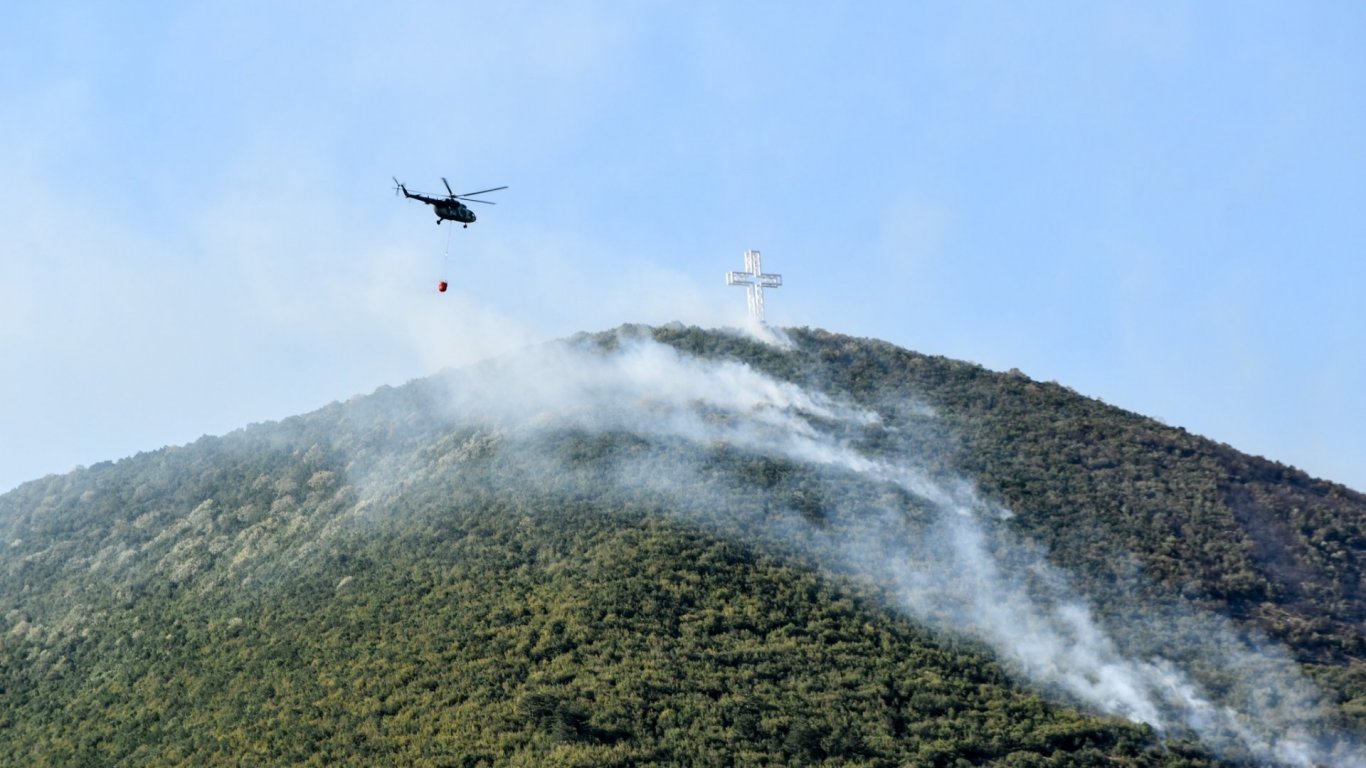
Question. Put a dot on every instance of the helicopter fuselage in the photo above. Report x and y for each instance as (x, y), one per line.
(452, 211)
(448, 209)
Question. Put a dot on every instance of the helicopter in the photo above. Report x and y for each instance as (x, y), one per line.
(449, 208)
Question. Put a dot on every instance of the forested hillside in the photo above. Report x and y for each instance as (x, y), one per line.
(683, 547)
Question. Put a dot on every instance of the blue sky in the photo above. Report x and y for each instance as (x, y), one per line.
(1155, 203)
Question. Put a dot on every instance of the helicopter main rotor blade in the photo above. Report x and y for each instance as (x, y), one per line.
(448, 186)
(480, 192)
(473, 200)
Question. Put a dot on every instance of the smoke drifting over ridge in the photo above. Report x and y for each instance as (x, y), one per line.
(949, 560)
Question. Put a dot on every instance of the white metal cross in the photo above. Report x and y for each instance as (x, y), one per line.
(755, 281)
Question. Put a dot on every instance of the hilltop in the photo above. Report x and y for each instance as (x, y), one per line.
(679, 546)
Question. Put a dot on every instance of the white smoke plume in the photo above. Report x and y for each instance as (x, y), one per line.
(960, 570)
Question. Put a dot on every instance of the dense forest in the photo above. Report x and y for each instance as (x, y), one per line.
(673, 546)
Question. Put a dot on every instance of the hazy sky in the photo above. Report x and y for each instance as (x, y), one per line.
(1155, 203)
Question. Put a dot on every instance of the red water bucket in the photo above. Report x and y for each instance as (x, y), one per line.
(441, 286)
